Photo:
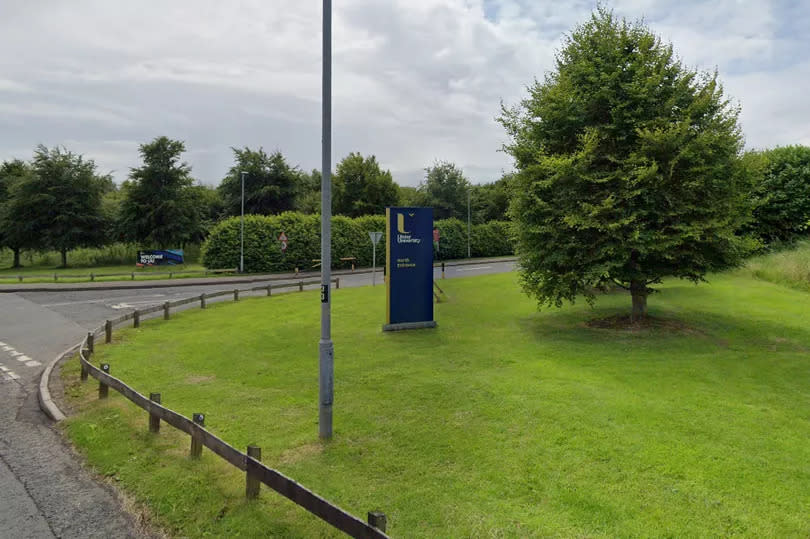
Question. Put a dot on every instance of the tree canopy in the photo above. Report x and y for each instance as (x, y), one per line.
(158, 207)
(12, 233)
(628, 168)
(363, 187)
(782, 194)
(58, 204)
(271, 184)
(445, 189)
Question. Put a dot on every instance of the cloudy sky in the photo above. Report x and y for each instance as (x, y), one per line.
(414, 80)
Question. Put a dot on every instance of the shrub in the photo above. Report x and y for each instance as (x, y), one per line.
(349, 239)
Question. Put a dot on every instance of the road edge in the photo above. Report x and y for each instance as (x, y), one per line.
(46, 403)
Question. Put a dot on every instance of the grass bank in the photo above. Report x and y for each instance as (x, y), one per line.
(503, 421)
(790, 267)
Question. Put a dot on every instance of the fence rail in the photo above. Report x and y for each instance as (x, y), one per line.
(255, 471)
(130, 274)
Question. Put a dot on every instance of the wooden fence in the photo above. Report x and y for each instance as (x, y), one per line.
(131, 274)
(256, 473)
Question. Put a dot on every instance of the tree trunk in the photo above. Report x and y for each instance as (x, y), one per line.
(64, 258)
(16, 257)
(638, 291)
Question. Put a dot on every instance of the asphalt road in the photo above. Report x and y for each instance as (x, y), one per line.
(45, 490)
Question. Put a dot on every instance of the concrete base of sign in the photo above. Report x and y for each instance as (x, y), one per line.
(409, 325)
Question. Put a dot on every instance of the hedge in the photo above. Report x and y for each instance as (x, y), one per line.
(349, 239)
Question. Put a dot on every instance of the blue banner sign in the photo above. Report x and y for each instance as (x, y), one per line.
(409, 268)
(169, 257)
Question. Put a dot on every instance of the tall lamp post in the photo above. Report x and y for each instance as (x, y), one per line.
(242, 233)
(326, 350)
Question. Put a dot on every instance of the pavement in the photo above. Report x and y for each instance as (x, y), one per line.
(46, 491)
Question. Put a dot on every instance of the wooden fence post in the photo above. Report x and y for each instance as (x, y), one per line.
(103, 389)
(136, 319)
(269, 288)
(377, 520)
(92, 277)
(91, 341)
(154, 420)
(202, 300)
(236, 294)
(166, 308)
(196, 443)
(337, 283)
(108, 332)
(84, 372)
(55, 277)
(442, 270)
(252, 482)
(300, 286)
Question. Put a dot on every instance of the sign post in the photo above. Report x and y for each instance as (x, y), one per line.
(409, 268)
(375, 238)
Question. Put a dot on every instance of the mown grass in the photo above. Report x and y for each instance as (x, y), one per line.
(790, 267)
(40, 274)
(503, 421)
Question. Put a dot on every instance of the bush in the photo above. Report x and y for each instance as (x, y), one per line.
(349, 239)
(782, 195)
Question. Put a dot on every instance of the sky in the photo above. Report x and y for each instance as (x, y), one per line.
(414, 81)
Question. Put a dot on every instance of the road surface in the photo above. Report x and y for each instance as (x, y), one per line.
(45, 491)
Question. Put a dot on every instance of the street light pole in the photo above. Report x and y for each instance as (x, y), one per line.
(326, 363)
(242, 233)
(469, 228)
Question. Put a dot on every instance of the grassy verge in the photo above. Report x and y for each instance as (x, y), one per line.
(44, 274)
(504, 421)
(789, 267)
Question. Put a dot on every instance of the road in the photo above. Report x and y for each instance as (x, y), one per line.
(45, 490)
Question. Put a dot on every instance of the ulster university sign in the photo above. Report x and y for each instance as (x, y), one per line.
(409, 268)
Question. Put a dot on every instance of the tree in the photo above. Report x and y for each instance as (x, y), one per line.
(158, 206)
(782, 194)
(59, 202)
(271, 183)
(629, 169)
(12, 233)
(210, 207)
(490, 201)
(365, 189)
(410, 196)
(445, 189)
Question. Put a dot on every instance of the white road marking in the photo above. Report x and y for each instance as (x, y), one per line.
(33, 363)
(2, 344)
(121, 306)
(103, 300)
(4, 369)
(23, 358)
(15, 353)
(474, 268)
(13, 376)
(8, 348)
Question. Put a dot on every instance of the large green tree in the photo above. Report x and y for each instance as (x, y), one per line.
(446, 190)
(13, 233)
(363, 187)
(490, 201)
(271, 184)
(159, 206)
(782, 194)
(629, 168)
(59, 202)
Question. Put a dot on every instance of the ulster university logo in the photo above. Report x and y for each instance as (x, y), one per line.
(404, 236)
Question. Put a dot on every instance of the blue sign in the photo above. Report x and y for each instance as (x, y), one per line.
(169, 257)
(409, 268)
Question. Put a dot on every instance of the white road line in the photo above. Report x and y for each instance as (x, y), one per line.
(13, 376)
(8, 348)
(474, 268)
(2, 344)
(103, 300)
(33, 363)
(15, 353)
(23, 359)
(4, 369)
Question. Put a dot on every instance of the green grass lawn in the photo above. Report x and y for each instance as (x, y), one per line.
(502, 422)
